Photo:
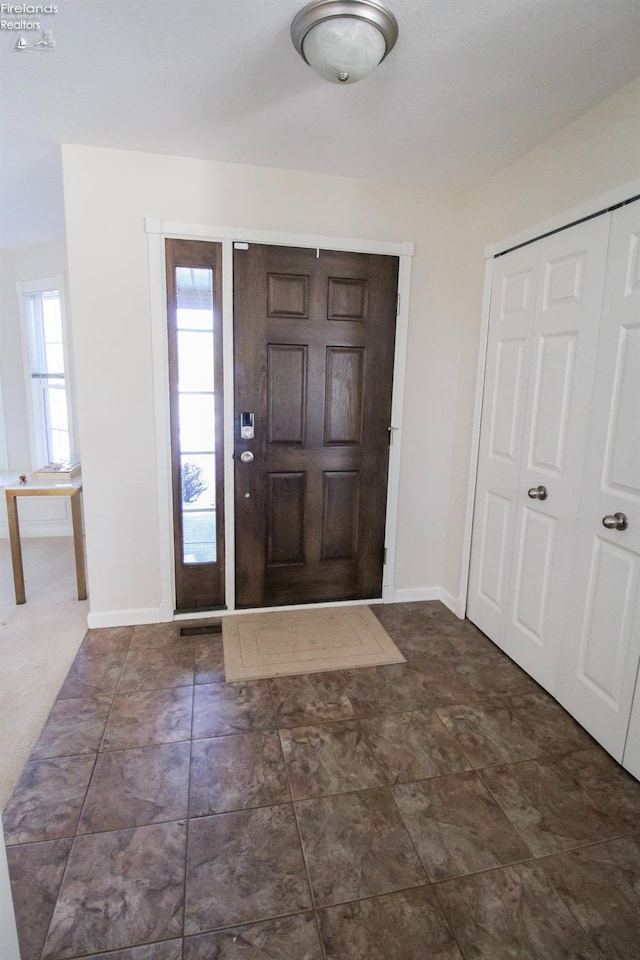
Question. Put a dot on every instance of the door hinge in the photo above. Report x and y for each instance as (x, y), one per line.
(384, 556)
(398, 306)
(391, 431)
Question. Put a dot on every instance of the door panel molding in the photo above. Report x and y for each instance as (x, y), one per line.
(158, 230)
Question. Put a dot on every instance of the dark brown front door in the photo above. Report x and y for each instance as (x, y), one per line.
(314, 347)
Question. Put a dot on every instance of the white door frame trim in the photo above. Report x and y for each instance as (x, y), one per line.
(157, 231)
(588, 208)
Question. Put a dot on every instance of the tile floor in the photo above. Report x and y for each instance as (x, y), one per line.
(444, 808)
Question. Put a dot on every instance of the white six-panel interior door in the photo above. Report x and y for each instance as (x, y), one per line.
(560, 450)
(601, 643)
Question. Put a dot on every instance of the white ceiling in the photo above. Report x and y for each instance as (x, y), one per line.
(470, 87)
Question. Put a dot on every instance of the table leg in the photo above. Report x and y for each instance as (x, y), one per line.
(16, 548)
(78, 544)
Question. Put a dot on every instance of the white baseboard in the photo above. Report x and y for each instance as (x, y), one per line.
(455, 604)
(165, 613)
(129, 618)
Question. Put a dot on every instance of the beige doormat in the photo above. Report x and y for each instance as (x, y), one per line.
(260, 645)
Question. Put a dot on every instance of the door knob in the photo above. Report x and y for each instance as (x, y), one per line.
(615, 521)
(246, 456)
(538, 493)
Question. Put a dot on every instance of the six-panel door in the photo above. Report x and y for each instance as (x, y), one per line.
(563, 357)
(314, 335)
(601, 634)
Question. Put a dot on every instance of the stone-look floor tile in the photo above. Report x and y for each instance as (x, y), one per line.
(244, 867)
(156, 635)
(457, 826)
(223, 708)
(356, 845)
(47, 801)
(169, 950)
(310, 698)
(120, 889)
(419, 629)
(550, 808)
(236, 772)
(418, 619)
(106, 640)
(394, 688)
(93, 672)
(209, 661)
(288, 938)
(400, 926)
(155, 668)
(413, 746)
(73, 727)
(513, 728)
(613, 791)
(601, 886)
(131, 788)
(329, 758)
(512, 913)
(153, 716)
(36, 873)
(488, 677)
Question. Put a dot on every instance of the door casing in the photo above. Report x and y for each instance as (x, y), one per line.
(157, 232)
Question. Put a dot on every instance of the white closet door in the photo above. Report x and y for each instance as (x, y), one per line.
(602, 629)
(631, 755)
(563, 352)
(510, 324)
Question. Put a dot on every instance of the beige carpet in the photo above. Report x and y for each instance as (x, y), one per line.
(259, 645)
(38, 641)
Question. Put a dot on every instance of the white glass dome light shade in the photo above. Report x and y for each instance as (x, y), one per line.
(344, 49)
(344, 40)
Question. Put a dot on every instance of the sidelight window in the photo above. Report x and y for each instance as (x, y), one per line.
(195, 391)
(196, 405)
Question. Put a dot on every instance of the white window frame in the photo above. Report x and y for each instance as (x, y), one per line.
(37, 425)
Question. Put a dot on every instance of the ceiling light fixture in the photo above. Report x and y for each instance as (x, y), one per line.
(344, 40)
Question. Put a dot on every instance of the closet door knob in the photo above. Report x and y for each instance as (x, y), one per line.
(615, 521)
(538, 493)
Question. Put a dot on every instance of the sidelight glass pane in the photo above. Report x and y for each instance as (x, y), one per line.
(197, 422)
(194, 298)
(199, 536)
(198, 481)
(195, 350)
(195, 360)
(189, 319)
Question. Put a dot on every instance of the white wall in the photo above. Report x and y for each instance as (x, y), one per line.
(108, 194)
(596, 153)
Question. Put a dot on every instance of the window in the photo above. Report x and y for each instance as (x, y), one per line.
(196, 405)
(46, 353)
(194, 314)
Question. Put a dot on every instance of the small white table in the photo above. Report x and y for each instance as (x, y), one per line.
(45, 488)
